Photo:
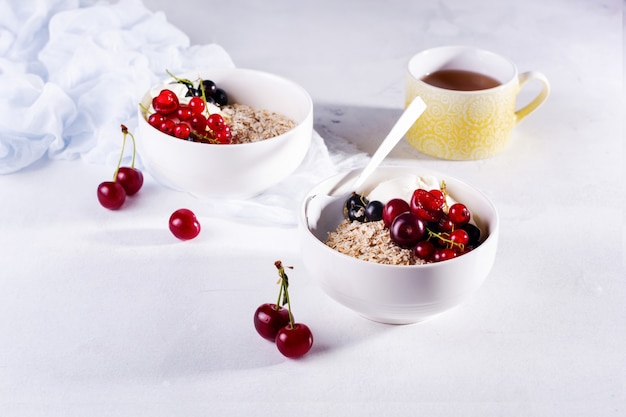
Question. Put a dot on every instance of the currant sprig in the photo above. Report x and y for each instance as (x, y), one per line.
(192, 121)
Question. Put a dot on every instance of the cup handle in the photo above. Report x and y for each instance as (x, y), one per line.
(541, 97)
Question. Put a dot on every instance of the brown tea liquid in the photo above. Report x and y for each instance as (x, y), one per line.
(461, 80)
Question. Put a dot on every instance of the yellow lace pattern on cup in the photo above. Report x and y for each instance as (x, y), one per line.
(462, 126)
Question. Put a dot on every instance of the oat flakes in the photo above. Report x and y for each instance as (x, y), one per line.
(248, 124)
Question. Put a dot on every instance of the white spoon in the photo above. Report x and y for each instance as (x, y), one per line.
(413, 111)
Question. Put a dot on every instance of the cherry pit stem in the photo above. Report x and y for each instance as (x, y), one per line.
(283, 292)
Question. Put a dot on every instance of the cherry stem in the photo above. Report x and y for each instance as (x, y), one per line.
(284, 283)
(132, 161)
(119, 162)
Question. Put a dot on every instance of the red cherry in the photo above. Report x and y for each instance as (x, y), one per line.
(294, 342)
(407, 229)
(129, 178)
(111, 195)
(427, 200)
(393, 208)
(184, 224)
(269, 319)
(166, 102)
(426, 205)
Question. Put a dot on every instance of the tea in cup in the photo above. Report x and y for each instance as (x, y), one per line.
(471, 97)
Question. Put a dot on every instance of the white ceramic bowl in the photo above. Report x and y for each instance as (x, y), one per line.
(394, 294)
(234, 170)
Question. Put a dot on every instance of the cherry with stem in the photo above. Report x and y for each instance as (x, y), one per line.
(129, 177)
(295, 339)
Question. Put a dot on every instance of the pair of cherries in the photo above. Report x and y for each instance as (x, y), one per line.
(276, 323)
(127, 181)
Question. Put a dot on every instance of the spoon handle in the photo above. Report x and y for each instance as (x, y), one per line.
(406, 120)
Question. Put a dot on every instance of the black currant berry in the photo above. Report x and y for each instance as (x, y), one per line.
(374, 211)
(354, 208)
(220, 97)
(209, 87)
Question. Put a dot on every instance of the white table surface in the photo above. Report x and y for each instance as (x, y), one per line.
(106, 314)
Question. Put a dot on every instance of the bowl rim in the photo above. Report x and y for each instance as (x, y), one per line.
(304, 122)
(492, 236)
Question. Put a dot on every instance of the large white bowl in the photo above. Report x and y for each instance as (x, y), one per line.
(235, 170)
(394, 294)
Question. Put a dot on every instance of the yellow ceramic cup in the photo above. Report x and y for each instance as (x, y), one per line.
(467, 125)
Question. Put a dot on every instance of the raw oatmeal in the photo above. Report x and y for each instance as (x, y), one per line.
(369, 241)
(248, 124)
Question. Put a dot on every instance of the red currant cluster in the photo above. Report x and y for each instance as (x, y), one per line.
(426, 224)
(191, 121)
(276, 323)
(126, 180)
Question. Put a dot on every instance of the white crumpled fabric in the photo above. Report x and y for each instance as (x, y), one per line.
(71, 71)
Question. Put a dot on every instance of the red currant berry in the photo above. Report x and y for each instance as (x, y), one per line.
(459, 237)
(424, 250)
(459, 214)
(111, 195)
(445, 224)
(182, 131)
(215, 122)
(393, 208)
(294, 341)
(269, 319)
(197, 105)
(444, 255)
(184, 113)
(166, 102)
(129, 178)
(223, 136)
(474, 234)
(198, 123)
(184, 224)
(156, 119)
(168, 127)
(406, 230)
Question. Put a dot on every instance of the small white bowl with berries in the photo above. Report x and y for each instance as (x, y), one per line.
(227, 133)
(409, 244)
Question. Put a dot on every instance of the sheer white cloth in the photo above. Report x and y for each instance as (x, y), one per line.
(72, 71)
